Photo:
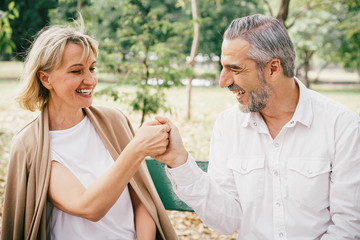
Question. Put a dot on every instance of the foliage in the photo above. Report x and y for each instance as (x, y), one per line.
(312, 23)
(33, 15)
(215, 16)
(6, 44)
(349, 51)
(142, 42)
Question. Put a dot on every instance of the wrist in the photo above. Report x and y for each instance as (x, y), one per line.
(178, 161)
(133, 149)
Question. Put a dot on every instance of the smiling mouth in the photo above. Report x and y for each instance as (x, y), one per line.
(239, 92)
(85, 91)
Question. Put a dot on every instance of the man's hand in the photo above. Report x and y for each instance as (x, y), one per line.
(175, 154)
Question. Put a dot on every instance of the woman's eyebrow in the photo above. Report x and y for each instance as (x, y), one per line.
(76, 65)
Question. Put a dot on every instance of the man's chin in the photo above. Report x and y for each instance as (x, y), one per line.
(244, 108)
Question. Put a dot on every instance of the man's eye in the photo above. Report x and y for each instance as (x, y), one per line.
(93, 69)
(76, 71)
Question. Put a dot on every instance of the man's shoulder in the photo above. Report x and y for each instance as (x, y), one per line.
(331, 108)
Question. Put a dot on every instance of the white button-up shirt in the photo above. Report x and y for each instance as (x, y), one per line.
(304, 184)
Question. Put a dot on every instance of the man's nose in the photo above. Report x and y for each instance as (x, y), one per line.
(225, 79)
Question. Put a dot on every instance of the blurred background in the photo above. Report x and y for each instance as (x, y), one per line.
(162, 57)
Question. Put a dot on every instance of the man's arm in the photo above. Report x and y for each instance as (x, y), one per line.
(216, 205)
(345, 185)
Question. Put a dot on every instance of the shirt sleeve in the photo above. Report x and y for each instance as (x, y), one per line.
(212, 194)
(345, 185)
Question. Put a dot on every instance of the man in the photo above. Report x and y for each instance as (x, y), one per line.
(284, 162)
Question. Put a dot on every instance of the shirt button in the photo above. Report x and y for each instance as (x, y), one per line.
(276, 173)
(292, 122)
(310, 172)
(277, 204)
(281, 234)
(276, 145)
(255, 124)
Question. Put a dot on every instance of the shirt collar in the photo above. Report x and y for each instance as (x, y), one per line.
(303, 112)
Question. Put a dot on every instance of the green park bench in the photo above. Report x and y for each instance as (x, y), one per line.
(163, 185)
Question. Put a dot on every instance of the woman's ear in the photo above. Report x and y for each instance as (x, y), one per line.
(44, 79)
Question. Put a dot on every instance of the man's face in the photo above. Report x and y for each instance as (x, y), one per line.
(242, 76)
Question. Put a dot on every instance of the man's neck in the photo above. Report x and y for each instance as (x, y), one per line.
(281, 106)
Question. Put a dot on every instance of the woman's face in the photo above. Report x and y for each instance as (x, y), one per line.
(72, 83)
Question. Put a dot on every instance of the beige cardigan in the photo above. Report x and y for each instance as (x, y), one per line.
(24, 213)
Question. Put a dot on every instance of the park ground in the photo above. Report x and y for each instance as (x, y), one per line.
(207, 103)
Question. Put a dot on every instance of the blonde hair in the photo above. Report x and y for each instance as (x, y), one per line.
(46, 54)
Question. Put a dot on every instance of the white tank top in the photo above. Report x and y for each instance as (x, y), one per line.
(81, 150)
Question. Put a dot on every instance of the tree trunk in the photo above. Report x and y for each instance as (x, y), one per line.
(307, 58)
(194, 48)
(306, 70)
(283, 11)
(80, 4)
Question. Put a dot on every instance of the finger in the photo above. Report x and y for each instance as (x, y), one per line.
(161, 119)
(167, 127)
(152, 123)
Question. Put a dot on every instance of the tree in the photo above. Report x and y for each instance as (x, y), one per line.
(33, 16)
(214, 17)
(6, 44)
(142, 42)
(194, 48)
(348, 53)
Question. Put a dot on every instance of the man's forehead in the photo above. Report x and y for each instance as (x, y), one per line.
(234, 50)
(236, 44)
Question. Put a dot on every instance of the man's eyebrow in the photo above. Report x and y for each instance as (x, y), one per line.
(233, 66)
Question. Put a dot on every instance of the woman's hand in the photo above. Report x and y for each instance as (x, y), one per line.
(151, 139)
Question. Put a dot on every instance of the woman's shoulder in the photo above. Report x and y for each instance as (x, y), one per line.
(107, 111)
(108, 115)
(29, 132)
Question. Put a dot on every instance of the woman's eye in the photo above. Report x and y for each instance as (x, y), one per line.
(93, 69)
(76, 71)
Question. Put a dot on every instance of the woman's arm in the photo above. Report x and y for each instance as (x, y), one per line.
(144, 223)
(69, 195)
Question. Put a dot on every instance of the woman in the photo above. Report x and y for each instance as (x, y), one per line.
(63, 181)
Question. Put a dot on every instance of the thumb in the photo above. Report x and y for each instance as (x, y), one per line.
(161, 119)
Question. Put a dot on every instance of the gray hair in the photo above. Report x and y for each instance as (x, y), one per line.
(268, 39)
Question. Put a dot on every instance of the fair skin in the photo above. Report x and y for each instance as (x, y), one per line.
(242, 72)
(71, 86)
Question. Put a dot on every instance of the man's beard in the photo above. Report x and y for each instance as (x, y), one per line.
(258, 98)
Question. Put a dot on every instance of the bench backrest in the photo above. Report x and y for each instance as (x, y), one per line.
(163, 185)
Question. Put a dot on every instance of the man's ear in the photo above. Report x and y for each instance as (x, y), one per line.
(44, 79)
(274, 68)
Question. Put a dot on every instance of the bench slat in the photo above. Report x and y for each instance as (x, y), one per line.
(163, 185)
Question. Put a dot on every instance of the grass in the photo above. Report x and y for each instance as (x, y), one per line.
(207, 103)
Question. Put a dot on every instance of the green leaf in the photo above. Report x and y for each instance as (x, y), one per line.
(11, 5)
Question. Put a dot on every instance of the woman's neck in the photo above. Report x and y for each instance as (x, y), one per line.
(60, 119)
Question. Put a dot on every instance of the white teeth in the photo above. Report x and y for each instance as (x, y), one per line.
(84, 91)
(240, 92)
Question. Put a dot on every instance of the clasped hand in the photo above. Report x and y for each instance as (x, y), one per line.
(161, 140)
